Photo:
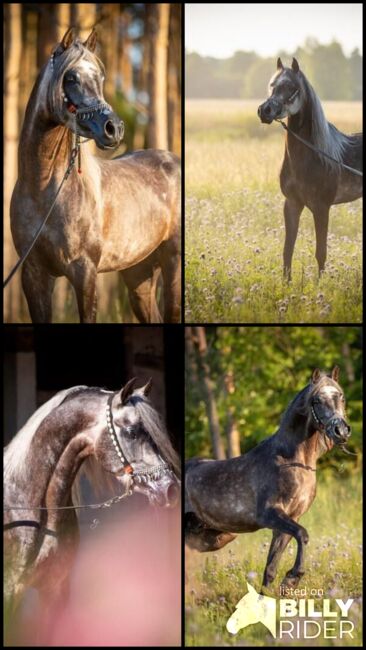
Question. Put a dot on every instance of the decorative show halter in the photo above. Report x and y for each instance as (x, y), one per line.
(139, 476)
(324, 427)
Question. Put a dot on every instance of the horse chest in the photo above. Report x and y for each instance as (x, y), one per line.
(303, 178)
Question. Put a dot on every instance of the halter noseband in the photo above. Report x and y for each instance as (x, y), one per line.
(154, 472)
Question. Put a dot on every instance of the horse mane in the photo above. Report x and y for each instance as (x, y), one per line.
(325, 136)
(155, 427)
(15, 453)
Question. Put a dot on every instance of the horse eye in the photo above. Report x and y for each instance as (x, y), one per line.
(71, 78)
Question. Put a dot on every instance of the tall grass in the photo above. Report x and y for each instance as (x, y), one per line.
(235, 231)
(217, 581)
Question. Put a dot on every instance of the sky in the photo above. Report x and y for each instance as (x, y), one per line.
(219, 30)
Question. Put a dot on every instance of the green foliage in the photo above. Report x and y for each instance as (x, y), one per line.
(246, 74)
(270, 365)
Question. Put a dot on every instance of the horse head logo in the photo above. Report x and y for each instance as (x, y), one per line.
(253, 608)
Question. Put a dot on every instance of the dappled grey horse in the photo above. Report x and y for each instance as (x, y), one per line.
(116, 215)
(119, 433)
(307, 178)
(272, 485)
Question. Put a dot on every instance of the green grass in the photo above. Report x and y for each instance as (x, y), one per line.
(217, 581)
(235, 230)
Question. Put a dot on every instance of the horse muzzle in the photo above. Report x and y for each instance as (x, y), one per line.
(269, 111)
(164, 494)
(338, 430)
(113, 132)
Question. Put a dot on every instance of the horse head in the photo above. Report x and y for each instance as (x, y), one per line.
(284, 94)
(327, 408)
(135, 447)
(253, 608)
(75, 92)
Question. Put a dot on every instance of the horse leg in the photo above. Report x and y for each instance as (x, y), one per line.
(141, 281)
(170, 260)
(38, 287)
(83, 276)
(276, 519)
(204, 539)
(321, 221)
(278, 545)
(292, 211)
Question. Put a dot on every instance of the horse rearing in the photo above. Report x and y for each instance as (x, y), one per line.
(117, 215)
(307, 178)
(272, 485)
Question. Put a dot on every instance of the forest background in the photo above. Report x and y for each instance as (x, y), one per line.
(140, 46)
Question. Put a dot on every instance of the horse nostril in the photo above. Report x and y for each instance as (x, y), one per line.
(110, 129)
(337, 430)
(267, 110)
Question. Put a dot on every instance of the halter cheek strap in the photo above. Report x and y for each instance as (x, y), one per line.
(127, 468)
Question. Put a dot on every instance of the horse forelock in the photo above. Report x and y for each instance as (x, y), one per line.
(153, 424)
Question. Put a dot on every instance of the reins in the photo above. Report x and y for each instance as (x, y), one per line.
(82, 114)
(94, 506)
(311, 146)
(74, 153)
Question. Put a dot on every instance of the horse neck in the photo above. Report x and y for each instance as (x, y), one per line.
(51, 442)
(44, 147)
(297, 439)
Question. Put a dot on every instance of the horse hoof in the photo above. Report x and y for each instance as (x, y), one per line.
(290, 581)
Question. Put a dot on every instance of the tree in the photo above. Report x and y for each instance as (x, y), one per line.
(158, 30)
(201, 343)
(12, 70)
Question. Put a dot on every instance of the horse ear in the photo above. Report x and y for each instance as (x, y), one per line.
(68, 38)
(144, 390)
(335, 373)
(316, 376)
(147, 388)
(279, 64)
(127, 390)
(91, 41)
(295, 66)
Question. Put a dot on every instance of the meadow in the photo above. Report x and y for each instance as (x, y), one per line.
(234, 229)
(215, 582)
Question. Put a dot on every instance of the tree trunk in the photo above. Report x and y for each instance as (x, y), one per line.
(124, 65)
(174, 80)
(346, 352)
(83, 17)
(213, 418)
(13, 40)
(108, 36)
(232, 431)
(63, 20)
(47, 32)
(158, 29)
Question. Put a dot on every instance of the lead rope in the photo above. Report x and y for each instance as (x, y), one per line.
(311, 146)
(22, 259)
